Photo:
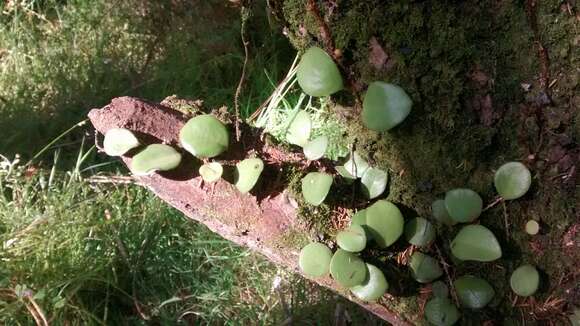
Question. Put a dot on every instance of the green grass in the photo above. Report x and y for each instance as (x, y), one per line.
(80, 252)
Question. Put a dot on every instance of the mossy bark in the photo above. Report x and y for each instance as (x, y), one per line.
(491, 82)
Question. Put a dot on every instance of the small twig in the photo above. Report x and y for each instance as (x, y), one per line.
(495, 202)
(505, 219)
(245, 12)
(451, 287)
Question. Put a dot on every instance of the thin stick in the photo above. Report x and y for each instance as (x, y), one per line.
(505, 219)
(45, 148)
(451, 287)
(245, 16)
(495, 202)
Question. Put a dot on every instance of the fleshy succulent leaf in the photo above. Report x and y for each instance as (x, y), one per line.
(374, 182)
(512, 180)
(204, 136)
(473, 292)
(374, 286)
(463, 205)
(211, 172)
(155, 157)
(315, 149)
(525, 280)
(119, 141)
(352, 239)
(315, 187)
(247, 174)
(476, 242)
(314, 259)
(419, 232)
(299, 129)
(317, 73)
(347, 269)
(385, 106)
(385, 222)
(424, 268)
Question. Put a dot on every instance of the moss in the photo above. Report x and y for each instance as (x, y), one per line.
(293, 239)
(450, 56)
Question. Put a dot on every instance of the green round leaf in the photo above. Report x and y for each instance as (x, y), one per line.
(385, 106)
(374, 182)
(314, 259)
(463, 205)
(359, 218)
(119, 141)
(299, 129)
(204, 136)
(373, 287)
(352, 239)
(247, 174)
(385, 222)
(315, 187)
(155, 157)
(532, 227)
(440, 212)
(512, 180)
(473, 292)
(211, 172)
(356, 166)
(476, 242)
(316, 148)
(441, 312)
(525, 280)
(345, 174)
(317, 73)
(347, 269)
(440, 289)
(419, 232)
(424, 267)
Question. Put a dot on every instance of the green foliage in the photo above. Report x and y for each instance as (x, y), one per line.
(463, 205)
(473, 292)
(315, 187)
(317, 73)
(352, 239)
(374, 182)
(441, 312)
(211, 172)
(440, 213)
(425, 268)
(385, 106)
(476, 242)
(512, 180)
(315, 149)
(247, 174)
(373, 287)
(314, 259)
(204, 136)
(119, 141)
(347, 269)
(419, 232)
(299, 129)
(525, 280)
(385, 222)
(155, 157)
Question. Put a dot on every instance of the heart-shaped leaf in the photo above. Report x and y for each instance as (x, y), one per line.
(476, 242)
(204, 136)
(385, 222)
(440, 212)
(440, 289)
(119, 141)
(441, 312)
(424, 267)
(525, 280)
(247, 174)
(317, 73)
(359, 218)
(315, 187)
(463, 205)
(356, 165)
(385, 106)
(373, 287)
(299, 129)
(512, 180)
(349, 178)
(374, 182)
(155, 157)
(314, 259)
(473, 292)
(316, 148)
(347, 268)
(419, 232)
(211, 172)
(352, 239)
